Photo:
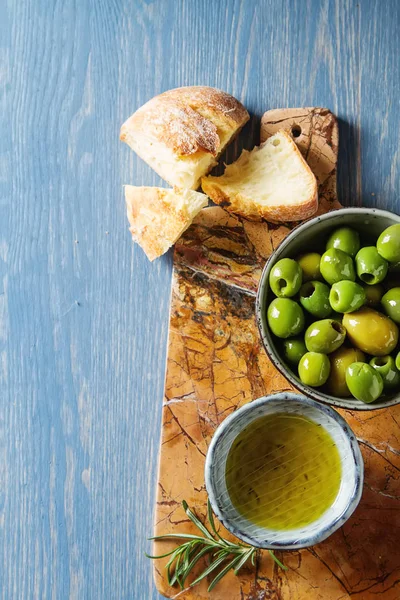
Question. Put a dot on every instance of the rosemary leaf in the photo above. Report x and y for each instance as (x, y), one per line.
(186, 556)
(178, 551)
(250, 552)
(278, 562)
(224, 571)
(221, 552)
(197, 521)
(175, 577)
(194, 561)
(224, 555)
(160, 555)
(212, 523)
(211, 519)
(214, 565)
(174, 558)
(181, 536)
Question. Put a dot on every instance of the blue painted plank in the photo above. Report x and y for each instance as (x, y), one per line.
(83, 315)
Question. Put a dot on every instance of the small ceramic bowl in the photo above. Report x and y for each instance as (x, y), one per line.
(308, 237)
(350, 487)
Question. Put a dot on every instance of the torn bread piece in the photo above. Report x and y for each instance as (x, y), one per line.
(182, 132)
(272, 181)
(159, 216)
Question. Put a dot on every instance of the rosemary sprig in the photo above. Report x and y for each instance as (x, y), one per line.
(223, 554)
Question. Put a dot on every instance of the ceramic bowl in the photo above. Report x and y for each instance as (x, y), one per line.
(312, 236)
(350, 487)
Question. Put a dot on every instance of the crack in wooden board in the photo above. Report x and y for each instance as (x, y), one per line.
(216, 363)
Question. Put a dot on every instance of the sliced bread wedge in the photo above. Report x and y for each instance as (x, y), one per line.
(272, 181)
(182, 132)
(159, 216)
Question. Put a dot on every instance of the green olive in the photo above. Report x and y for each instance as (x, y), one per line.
(391, 304)
(371, 267)
(388, 243)
(309, 264)
(345, 239)
(285, 317)
(364, 382)
(371, 332)
(314, 369)
(373, 294)
(324, 336)
(386, 367)
(337, 265)
(294, 349)
(346, 296)
(340, 360)
(285, 278)
(398, 361)
(314, 297)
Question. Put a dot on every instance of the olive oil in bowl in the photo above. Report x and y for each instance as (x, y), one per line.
(283, 471)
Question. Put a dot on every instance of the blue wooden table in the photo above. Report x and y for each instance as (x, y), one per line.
(83, 314)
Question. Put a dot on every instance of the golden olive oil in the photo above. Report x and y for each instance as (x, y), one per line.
(283, 471)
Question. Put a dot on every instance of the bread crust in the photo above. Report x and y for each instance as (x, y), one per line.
(251, 209)
(246, 207)
(156, 224)
(175, 118)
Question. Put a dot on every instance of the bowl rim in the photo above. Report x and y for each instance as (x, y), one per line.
(314, 393)
(325, 531)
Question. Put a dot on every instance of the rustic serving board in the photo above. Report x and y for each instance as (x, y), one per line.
(216, 364)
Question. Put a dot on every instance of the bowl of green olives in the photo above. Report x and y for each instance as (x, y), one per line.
(328, 308)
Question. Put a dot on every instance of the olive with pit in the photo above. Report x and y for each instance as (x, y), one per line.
(391, 304)
(336, 265)
(314, 297)
(294, 349)
(285, 278)
(309, 264)
(388, 244)
(371, 332)
(364, 382)
(314, 369)
(340, 360)
(345, 239)
(371, 267)
(324, 336)
(373, 294)
(346, 296)
(285, 317)
(386, 367)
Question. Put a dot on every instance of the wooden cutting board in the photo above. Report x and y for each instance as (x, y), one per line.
(216, 364)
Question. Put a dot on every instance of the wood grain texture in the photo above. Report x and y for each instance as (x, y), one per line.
(83, 315)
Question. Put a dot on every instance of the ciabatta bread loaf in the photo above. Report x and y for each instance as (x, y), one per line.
(159, 216)
(182, 132)
(273, 182)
